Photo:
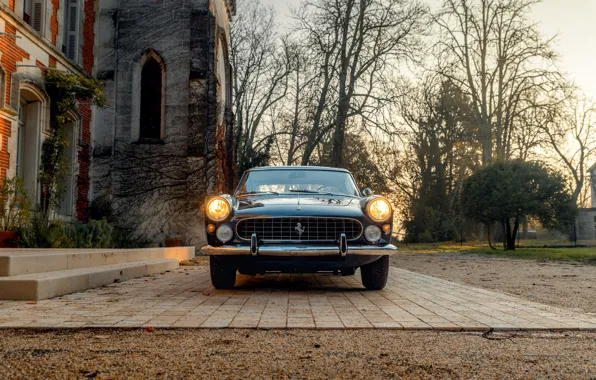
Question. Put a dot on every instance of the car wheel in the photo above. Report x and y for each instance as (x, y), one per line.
(374, 275)
(223, 272)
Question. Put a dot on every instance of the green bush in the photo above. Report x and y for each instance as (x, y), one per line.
(94, 234)
(41, 234)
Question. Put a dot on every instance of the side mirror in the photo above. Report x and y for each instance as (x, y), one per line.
(367, 192)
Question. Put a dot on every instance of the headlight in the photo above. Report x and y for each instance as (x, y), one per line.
(224, 233)
(218, 209)
(379, 209)
(372, 234)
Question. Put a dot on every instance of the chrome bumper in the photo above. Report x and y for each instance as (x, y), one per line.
(299, 250)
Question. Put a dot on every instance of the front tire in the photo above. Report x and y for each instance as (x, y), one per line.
(374, 275)
(223, 272)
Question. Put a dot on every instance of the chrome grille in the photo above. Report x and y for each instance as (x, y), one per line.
(288, 229)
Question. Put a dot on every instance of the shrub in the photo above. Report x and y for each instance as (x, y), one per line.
(14, 205)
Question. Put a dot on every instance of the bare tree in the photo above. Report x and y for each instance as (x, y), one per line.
(353, 45)
(262, 62)
(493, 52)
(571, 135)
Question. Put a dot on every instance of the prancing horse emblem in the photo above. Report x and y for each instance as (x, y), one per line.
(300, 229)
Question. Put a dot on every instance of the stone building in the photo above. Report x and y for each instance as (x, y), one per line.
(36, 35)
(586, 218)
(165, 141)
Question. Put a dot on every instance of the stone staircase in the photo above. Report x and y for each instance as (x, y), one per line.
(37, 274)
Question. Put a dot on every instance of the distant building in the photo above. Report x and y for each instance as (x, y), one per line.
(586, 218)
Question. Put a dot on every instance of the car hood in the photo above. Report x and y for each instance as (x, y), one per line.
(297, 205)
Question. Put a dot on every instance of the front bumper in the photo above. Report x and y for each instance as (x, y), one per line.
(299, 250)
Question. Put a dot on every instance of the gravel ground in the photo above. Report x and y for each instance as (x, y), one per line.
(571, 285)
(294, 354)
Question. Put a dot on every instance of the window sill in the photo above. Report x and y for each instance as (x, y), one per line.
(150, 141)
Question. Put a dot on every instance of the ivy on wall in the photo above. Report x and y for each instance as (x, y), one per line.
(65, 91)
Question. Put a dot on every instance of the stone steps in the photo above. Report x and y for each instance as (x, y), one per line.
(33, 275)
(16, 262)
(39, 286)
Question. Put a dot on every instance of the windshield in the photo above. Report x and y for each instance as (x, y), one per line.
(296, 181)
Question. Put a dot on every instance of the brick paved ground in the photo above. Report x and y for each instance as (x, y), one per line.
(185, 298)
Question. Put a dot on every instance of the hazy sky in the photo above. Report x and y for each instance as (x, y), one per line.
(573, 20)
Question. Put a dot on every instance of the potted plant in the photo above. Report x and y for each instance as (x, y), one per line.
(175, 241)
(14, 211)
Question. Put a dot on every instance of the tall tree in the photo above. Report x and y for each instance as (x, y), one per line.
(491, 50)
(354, 45)
(262, 62)
(440, 132)
(571, 135)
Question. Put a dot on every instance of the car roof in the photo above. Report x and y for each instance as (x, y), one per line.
(265, 168)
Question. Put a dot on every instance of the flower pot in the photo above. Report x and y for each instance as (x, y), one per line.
(174, 242)
(8, 239)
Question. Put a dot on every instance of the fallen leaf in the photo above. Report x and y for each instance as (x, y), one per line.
(150, 329)
(206, 293)
(32, 303)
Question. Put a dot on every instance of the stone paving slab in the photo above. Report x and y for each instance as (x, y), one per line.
(184, 298)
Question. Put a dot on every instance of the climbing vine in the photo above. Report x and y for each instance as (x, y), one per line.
(65, 91)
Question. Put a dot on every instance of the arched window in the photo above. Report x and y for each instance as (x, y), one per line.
(151, 100)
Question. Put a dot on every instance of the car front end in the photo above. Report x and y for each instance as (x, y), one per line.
(299, 230)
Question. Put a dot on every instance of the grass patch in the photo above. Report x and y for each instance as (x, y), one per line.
(538, 250)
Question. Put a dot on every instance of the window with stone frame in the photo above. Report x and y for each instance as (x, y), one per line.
(151, 100)
(33, 14)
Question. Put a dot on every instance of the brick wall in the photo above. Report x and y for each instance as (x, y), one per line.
(54, 22)
(11, 55)
(86, 114)
(4, 156)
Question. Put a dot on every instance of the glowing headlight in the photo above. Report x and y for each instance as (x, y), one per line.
(379, 209)
(218, 209)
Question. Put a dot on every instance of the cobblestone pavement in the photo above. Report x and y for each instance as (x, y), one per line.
(184, 298)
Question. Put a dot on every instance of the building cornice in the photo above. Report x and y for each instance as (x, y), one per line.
(27, 31)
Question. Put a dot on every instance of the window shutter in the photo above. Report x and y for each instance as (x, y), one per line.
(37, 16)
(72, 30)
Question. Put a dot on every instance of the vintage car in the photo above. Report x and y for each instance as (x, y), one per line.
(299, 219)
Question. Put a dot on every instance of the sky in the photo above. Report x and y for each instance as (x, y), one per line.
(574, 21)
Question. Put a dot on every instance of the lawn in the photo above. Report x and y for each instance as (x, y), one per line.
(531, 249)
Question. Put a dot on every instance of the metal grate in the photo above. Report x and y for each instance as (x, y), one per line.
(299, 229)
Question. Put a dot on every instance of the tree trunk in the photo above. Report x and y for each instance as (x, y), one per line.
(488, 236)
(511, 234)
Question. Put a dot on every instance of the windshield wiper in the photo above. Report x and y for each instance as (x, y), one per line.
(257, 192)
(305, 191)
(321, 192)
